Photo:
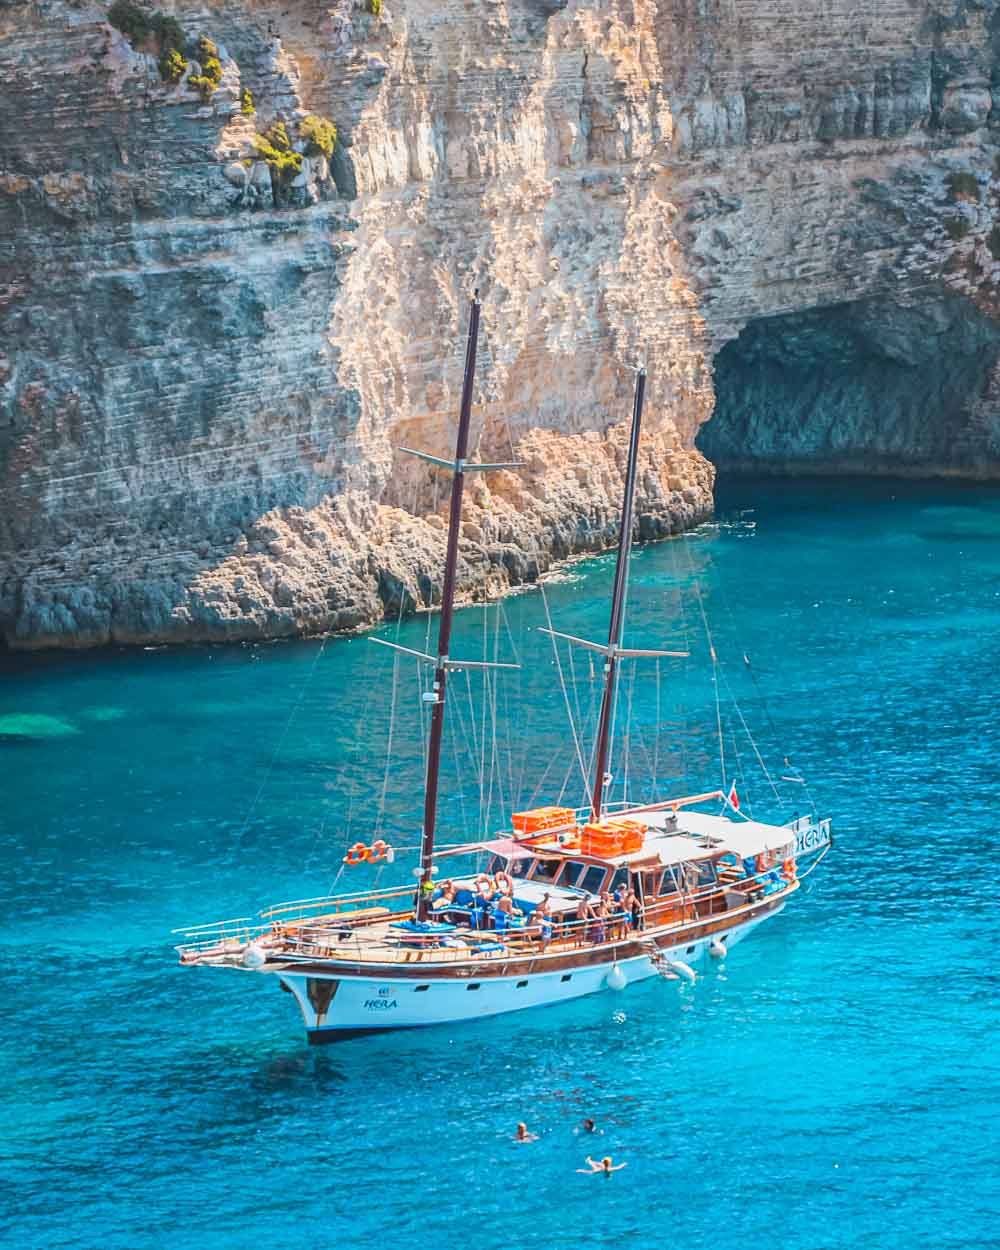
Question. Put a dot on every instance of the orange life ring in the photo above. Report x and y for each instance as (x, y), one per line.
(789, 869)
(485, 886)
(503, 882)
(357, 854)
(377, 851)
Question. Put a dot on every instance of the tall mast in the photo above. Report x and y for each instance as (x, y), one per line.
(617, 610)
(447, 610)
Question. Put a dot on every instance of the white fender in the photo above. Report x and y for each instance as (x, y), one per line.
(254, 956)
(717, 949)
(682, 969)
(616, 979)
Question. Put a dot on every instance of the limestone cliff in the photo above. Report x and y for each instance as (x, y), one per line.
(204, 371)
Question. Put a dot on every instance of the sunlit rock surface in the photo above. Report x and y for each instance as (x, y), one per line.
(201, 392)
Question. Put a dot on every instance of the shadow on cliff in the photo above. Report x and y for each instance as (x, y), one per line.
(861, 388)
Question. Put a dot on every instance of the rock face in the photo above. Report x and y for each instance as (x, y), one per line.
(204, 374)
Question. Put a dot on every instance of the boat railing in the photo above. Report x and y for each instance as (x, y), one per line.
(333, 902)
(358, 938)
(354, 925)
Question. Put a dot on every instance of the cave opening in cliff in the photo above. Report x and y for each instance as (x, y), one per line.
(867, 387)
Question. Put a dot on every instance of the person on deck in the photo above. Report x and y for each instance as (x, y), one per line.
(633, 907)
(601, 916)
(584, 912)
(542, 918)
(446, 897)
(504, 913)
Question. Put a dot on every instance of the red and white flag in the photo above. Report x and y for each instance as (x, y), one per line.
(733, 799)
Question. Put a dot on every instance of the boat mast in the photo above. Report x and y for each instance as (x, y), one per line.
(618, 595)
(447, 611)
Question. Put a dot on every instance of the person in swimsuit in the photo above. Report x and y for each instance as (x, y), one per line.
(599, 929)
(634, 908)
(504, 913)
(522, 1133)
(446, 897)
(584, 912)
(542, 918)
(605, 1166)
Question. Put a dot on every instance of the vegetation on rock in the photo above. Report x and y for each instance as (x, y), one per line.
(163, 32)
(956, 228)
(172, 66)
(963, 185)
(319, 134)
(211, 68)
(375, 8)
(993, 242)
(275, 147)
(247, 106)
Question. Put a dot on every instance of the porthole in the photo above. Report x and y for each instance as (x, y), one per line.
(691, 950)
(473, 985)
(566, 976)
(520, 985)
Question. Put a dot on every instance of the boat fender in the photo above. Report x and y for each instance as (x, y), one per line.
(503, 882)
(254, 956)
(357, 854)
(789, 868)
(682, 969)
(390, 855)
(717, 949)
(616, 979)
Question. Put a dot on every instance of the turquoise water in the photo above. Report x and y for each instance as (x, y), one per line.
(835, 1084)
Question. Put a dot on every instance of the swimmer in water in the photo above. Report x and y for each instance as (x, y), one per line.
(589, 1126)
(604, 1166)
(523, 1134)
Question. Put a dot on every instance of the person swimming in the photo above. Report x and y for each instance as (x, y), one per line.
(605, 1166)
(522, 1133)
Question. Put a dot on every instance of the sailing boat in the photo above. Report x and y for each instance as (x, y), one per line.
(570, 901)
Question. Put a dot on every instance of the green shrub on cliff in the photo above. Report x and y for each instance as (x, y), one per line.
(275, 147)
(134, 24)
(375, 8)
(319, 134)
(247, 106)
(172, 66)
(211, 68)
(152, 31)
(962, 185)
(993, 242)
(956, 228)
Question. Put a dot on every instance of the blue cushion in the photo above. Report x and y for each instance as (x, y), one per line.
(423, 926)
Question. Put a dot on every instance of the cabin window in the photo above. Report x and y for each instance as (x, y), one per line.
(572, 872)
(621, 877)
(669, 883)
(521, 984)
(421, 989)
(650, 884)
(706, 872)
(473, 985)
(546, 870)
(565, 976)
(592, 880)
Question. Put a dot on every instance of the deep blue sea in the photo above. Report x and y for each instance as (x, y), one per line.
(835, 1083)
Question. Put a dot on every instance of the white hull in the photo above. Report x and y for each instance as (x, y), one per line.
(376, 1004)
